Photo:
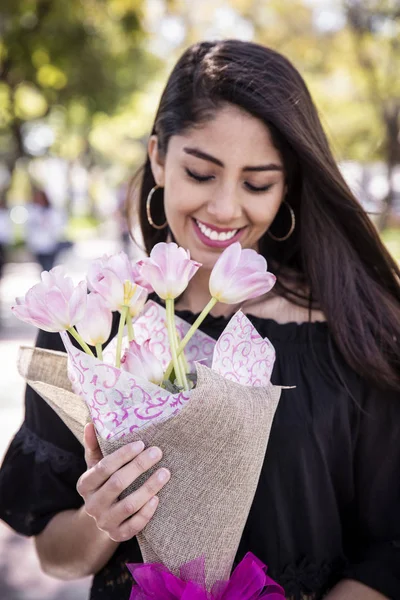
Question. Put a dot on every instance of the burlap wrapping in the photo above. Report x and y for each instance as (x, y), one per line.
(214, 448)
(46, 372)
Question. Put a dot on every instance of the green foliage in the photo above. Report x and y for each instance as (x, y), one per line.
(93, 70)
(391, 238)
(87, 57)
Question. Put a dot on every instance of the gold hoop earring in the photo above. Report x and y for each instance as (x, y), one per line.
(292, 226)
(148, 202)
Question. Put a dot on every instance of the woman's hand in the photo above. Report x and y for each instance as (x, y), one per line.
(107, 477)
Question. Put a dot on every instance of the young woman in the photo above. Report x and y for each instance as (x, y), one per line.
(237, 152)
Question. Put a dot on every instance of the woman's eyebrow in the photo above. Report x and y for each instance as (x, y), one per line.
(204, 156)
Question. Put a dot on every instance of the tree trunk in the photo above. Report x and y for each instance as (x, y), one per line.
(391, 117)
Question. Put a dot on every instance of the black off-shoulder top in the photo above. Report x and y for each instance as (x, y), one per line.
(327, 506)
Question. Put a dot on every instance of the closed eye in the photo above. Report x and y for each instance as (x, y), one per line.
(198, 177)
(204, 178)
(253, 188)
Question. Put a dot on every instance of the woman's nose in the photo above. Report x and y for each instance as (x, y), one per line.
(224, 206)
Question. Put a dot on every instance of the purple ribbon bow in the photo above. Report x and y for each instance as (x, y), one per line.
(249, 581)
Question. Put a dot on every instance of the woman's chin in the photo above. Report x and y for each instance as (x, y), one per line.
(206, 256)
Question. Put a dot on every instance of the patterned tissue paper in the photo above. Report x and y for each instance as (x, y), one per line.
(120, 403)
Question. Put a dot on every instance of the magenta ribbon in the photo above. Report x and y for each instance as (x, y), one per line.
(249, 581)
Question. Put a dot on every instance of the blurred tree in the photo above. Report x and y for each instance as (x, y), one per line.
(375, 29)
(63, 63)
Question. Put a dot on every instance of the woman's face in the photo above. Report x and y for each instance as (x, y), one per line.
(223, 182)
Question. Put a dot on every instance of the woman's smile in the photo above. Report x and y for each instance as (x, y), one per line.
(216, 237)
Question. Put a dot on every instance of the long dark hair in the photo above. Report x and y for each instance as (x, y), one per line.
(335, 250)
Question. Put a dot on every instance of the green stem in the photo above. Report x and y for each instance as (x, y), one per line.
(131, 333)
(182, 362)
(122, 320)
(212, 302)
(99, 351)
(181, 356)
(80, 340)
(169, 306)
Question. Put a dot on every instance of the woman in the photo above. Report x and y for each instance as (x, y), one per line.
(44, 229)
(237, 152)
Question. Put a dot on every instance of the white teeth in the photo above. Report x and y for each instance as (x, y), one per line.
(214, 235)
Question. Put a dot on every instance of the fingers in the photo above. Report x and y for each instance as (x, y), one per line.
(114, 519)
(120, 480)
(135, 524)
(102, 484)
(93, 454)
(108, 466)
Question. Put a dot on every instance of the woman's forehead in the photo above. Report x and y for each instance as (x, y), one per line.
(230, 132)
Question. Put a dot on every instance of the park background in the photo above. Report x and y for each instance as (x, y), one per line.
(79, 85)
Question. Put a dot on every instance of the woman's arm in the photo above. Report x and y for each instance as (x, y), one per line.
(84, 549)
(353, 590)
(77, 543)
(72, 546)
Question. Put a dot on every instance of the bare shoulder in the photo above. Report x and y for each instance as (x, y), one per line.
(281, 310)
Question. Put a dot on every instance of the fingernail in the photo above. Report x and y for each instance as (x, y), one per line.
(137, 446)
(163, 475)
(155, 453)
(153, 501)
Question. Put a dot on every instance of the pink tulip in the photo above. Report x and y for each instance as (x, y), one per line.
(138, 300)
(95, 327)
(108, 277)
(239, 275)
(137, 277)
(168, 269)
(54, 304)
(141, 362)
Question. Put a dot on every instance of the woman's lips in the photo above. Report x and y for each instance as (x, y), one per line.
(216, 243)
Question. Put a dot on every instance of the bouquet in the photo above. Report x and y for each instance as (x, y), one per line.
(209, 405)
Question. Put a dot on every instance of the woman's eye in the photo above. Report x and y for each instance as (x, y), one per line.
(253, 188)
(198, 177)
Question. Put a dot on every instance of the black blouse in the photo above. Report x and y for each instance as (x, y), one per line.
(327, 506)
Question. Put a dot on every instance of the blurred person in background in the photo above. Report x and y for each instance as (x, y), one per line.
(121, 216)
(44, 230)
(237, 152)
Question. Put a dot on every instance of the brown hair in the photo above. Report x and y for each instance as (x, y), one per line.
(335, 250)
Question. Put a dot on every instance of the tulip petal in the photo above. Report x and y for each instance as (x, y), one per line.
(138, 300)
(173, 269)
(141, 362)
(251, 258)
(36, 306)
(153, 274)
(77, 303)
(58, 309)
(247, 287)
(94, 273)
(120, 265)
(54, 303)
(239, 275)
(95, 326)
(22, 313)
(139, 279)
(225, 265)
(160, 253)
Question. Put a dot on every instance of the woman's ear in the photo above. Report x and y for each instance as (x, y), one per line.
(157, 164)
